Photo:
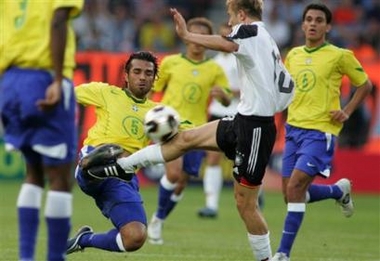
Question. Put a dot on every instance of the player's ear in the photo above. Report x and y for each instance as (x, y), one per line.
(328, 29)
(241, 15)
(303, 27)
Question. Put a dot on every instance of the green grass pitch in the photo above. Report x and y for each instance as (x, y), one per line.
(325, 235)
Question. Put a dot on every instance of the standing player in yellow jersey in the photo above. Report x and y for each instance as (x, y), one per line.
(120, 115)
(37, 107)
(314, 121)
(189, 81)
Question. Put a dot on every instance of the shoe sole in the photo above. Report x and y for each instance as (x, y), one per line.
(343, 206)
(155, 241)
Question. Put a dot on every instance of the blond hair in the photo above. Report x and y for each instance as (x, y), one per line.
(253, 8)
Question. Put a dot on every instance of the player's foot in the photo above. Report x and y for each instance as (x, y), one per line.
(280, 257)
(345, 201)
(207, 213)
(73, 243)
(155, 231)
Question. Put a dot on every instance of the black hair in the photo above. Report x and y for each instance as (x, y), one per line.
(142, 55)
(321, 7)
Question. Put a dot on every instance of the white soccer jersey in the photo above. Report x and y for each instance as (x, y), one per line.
(266, 86)
(228, 62)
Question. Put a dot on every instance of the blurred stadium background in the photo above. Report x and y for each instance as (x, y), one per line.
(108, 30)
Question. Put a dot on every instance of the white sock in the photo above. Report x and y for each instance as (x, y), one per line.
(260, 245)
(145, 157)
(166, 184)
(212, 185)
(119, 242)
(58, 204)
(30, 196)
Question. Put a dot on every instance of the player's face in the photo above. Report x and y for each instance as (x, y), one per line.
(140, 78)
(196, 49)
(315, 27)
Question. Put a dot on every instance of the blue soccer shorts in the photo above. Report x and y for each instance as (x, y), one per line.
(118, 200)
(310, 151)
(192, 162)
(50, 137)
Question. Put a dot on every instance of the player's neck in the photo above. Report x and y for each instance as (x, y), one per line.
(315, 44)
(195, 57)
(133, 97)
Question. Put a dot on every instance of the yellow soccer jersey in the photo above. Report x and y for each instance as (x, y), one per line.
(119, 116)
(25, 34)
(318, 75)
(187, 85)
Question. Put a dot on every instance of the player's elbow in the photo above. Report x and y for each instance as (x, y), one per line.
(368, 86)
(229, 47)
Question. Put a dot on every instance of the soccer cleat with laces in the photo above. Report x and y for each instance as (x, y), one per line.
(207, 213)
(345, 201)
(155, 231)
(112, 170)
(280, 257)
(73, 243)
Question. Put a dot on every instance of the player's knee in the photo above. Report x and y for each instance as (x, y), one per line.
(133, 236)
(134, 243)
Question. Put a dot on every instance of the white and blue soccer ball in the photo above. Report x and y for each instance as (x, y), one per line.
(161, 123)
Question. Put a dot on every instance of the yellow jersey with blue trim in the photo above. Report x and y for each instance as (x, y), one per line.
(120, 116)
(318, 74)
(25, 34)
(187, 85)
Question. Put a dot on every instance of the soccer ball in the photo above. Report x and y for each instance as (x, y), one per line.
(161, 123)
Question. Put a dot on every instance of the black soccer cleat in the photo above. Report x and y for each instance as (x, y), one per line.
(112, 170)
(207, 213)
(73, 243)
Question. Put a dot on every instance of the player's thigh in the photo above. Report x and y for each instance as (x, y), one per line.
(127, 212)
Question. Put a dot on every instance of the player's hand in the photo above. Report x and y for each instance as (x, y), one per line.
(339, 115)
(217, 92)
(220, 95)
(52, 97)
(180, 23)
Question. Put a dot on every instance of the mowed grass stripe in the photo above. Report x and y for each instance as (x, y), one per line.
(325, 235)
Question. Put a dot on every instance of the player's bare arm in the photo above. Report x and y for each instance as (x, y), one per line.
(214, 42)
(58, 35)
(357, 99)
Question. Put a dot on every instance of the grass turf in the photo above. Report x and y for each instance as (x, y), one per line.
(325, 235)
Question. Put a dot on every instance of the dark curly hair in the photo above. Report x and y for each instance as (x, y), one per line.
(142, 55)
